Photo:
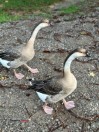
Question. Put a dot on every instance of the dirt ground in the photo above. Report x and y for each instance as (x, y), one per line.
(21, 109)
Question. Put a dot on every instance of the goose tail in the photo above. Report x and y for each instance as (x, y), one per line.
(4, 63)
(36, 87)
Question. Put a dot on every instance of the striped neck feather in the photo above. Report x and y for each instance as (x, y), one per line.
(34, 34)
(69, 60)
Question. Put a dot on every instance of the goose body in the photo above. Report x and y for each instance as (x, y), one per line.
(54, 86)
(26, 53)
(58, 88)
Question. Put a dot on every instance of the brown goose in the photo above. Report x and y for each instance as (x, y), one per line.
(58, 88)
(22, 56)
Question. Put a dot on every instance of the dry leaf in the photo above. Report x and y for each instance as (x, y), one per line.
(57, 37)
(85, 33)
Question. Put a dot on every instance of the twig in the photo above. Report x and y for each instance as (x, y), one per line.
(83, 126)
(56, 51)
(91, 118)
(94, 83)
(21, 86)
(30, 115)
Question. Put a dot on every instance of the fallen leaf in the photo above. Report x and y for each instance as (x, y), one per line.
(57, 37)
(85, 33)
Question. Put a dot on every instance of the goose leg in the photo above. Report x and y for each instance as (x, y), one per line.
(47, 109)
(18, 75)
(68, 105)
(31, 69)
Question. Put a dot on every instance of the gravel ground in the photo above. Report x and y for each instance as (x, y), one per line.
(21, 109)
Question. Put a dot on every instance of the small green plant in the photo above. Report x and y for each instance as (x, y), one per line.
(70, 9)
(15, 9)
(4, 17)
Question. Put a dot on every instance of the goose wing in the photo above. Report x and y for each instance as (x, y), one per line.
(9, 56)
(49, 86)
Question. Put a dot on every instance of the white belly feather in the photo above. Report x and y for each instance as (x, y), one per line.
(4, 63)
(42, 96)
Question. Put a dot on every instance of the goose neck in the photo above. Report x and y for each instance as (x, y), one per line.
(34, 34)
(68, 62)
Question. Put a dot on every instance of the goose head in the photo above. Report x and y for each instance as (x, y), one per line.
(45, 23)
(80, 52)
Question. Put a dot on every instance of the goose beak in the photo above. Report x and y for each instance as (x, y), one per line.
(49, 22)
